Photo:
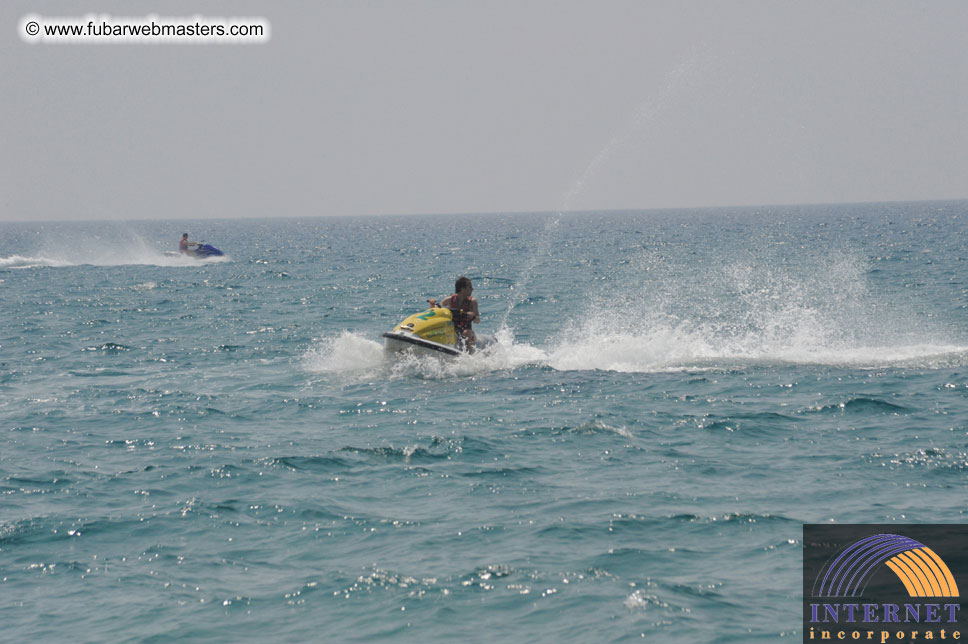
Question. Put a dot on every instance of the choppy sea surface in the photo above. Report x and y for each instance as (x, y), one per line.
(221, 450)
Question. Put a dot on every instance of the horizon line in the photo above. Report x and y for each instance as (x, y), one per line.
(499, 213)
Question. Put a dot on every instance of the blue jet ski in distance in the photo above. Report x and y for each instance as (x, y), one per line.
(205, 250)
(201, 251)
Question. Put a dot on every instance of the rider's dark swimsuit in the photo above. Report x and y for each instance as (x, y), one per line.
(462, 318)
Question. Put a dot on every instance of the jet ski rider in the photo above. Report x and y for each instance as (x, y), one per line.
(463, 308)
(184, 246)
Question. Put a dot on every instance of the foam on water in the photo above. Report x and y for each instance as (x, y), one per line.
(671, 348)
(360, 358)
(20, 261)
(650, 342)
(660, 349)
(110, 258)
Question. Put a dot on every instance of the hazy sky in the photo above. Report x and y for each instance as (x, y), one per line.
(399, 106)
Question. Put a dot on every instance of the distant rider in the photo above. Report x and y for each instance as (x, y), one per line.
(463, 308)
(184, 246)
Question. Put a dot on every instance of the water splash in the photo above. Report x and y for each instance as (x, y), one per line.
(748, 310)
(21, 261)
(519, 288)
(358, 358)
(663, 347)
(346, 353)
(682, 76)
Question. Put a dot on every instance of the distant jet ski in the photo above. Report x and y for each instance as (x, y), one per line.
(201, 251)
(205, 250)
(430, 332)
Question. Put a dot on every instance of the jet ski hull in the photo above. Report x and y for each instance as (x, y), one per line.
(406, 341)
(430, 332)
(203, 251)
(206, 250)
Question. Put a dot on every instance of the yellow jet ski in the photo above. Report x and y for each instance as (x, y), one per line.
(430, 332)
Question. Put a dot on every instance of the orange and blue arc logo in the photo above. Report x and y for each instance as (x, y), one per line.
(922, 572)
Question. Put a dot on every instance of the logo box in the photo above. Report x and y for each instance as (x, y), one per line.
(884, 583)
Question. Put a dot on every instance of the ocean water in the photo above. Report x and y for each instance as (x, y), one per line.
(221, 451)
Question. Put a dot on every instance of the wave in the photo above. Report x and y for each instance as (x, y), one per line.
(310, 463)
(596, 427)
(662, 350)
(936, 459)
(108, 347)
(863, 405)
